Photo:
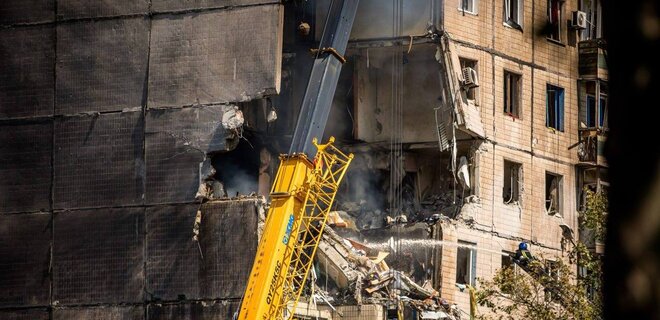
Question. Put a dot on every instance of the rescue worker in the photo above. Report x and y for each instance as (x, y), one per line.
(523, 256)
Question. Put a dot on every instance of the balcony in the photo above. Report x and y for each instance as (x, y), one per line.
(591, 148)
(592, 64)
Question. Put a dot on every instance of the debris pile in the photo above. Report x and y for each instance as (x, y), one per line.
(360, 275)
(359, 216)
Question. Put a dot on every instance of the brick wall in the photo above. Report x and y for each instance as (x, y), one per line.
(525, 140)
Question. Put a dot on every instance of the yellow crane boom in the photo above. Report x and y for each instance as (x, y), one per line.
(301, 197)
(304, 188)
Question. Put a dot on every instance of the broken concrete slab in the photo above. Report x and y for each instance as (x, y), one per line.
(25, 166)
(101, 65)
(336, 259)
(216, 56)
(27, 55)
(70, 9)
(176, 5)
(98, 256)
(24, 260)
(177, 142)
(193, 311)
(27, 11)
(99, 160)
(106, 313)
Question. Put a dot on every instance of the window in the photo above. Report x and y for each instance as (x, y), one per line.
(512, 89)
(602, 107)
(593, 178)
(469, 6)
(555, 18)
(507, 262)
(553, 193)
(466, 263)
(513, 10)
(471, 93)
(512, 174)
(554, 116)
(594, 11)
(594, 114)
(552, 270)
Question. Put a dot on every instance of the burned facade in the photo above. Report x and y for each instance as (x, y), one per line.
(128, 127)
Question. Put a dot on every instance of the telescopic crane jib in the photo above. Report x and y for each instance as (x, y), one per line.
(305, 185)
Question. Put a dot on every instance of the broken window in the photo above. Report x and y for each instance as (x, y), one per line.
(554, 116)
(513, 16)
(512, 89)
(553, 196)
(469, 6)
(471, 93)
(593, 10)
(466, 263)
(555, 15)
(512, 176)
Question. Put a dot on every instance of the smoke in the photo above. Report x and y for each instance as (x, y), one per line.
(238, 170)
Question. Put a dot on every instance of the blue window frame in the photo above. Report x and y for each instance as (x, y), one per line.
(554, 111)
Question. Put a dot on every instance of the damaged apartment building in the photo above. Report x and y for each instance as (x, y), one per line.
(139, 141)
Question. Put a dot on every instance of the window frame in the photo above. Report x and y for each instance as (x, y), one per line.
(518, 182)
(463, 61)
(556, 26)
(518, 22)
(556, 113)
(506, 255)
(462, 6)
(594, 12)
(471, 268)
(593, 111)
(560, 194)
(551, 269)
(508, 110)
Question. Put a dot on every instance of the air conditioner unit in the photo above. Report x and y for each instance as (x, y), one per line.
(579, 20)
(470, 79)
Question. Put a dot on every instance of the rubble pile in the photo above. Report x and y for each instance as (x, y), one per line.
(360, 275)
(359, 216)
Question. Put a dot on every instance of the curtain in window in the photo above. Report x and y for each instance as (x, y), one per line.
(554, 11)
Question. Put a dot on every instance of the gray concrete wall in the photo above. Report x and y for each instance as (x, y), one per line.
(107, 111)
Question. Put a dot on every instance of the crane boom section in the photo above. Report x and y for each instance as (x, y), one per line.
(302, 197)
(304, 190)
(264, 288)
